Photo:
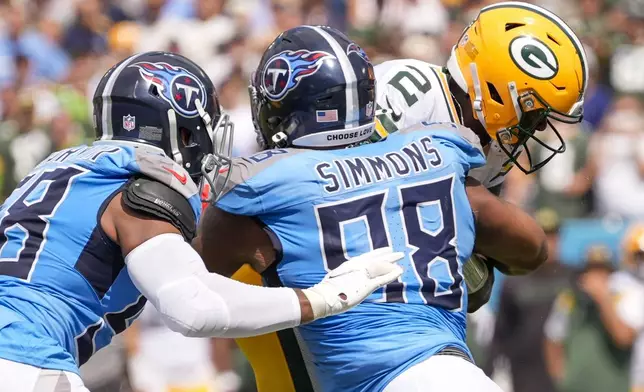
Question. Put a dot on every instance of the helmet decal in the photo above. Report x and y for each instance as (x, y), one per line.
(354, 48)
(283, 71)
(129, 122)
(534, 58)
(176, 85)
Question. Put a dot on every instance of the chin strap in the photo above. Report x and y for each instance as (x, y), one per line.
(456, 73)
(514, 96)
(174, 141)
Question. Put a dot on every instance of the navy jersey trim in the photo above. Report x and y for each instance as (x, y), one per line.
(102, 209)
(101, 260)
(288, 341)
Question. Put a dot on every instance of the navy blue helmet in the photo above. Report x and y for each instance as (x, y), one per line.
(313, 88)
(167, 101)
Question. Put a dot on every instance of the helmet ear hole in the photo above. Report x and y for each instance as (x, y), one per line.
(512, 26)
(494, 93)
(324, 100)
(551, 38)
(154, 91)
(186, 136)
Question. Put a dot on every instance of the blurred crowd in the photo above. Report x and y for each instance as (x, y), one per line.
(53, 52)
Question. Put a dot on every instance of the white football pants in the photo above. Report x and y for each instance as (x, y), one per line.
(442, 373)
(18, 377)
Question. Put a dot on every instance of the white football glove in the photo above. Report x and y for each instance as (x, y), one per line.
(353, 281)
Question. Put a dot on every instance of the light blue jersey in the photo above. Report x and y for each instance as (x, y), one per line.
(64, 288)
(323, 207)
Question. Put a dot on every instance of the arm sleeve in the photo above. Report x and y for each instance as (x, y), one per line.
(196, 303)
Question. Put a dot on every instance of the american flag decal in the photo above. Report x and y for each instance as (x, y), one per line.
(323, 116)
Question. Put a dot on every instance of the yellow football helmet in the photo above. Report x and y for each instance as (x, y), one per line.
(521, 66)
(633, 248)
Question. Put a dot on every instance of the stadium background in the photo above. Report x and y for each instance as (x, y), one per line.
(53, 52)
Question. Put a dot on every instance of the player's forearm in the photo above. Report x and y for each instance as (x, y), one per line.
(306, 309)
(553, 353)
(518, 243)
(505, 233)
(622, 334)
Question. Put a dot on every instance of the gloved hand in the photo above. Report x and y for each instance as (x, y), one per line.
(353, 281)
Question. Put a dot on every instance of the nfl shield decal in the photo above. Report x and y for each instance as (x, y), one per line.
(176, 85)
(369, 109)
(283, 72)
(129, 122)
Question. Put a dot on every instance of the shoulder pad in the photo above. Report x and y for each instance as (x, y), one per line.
(469, 135)
(161, 168)
(155, 198)
(243, 169)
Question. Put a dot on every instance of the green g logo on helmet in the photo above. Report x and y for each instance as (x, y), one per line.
(534, 58)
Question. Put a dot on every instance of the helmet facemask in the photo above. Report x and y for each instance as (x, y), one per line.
(215, 167)
(535, 115)
(254, 109)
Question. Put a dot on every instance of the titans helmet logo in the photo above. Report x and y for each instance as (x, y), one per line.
(283, 72)
(177, 86)
(354, 48)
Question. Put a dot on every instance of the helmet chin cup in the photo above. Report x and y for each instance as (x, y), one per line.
(279, 140)
(215, 167)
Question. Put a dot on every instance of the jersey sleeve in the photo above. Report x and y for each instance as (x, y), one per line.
(630, 308)
(394, 111)
(238, 195)
(629, 299)
(463, 141)
(411, 91)
(266, 181)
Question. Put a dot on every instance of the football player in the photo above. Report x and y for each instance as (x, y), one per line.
(319, 195)
(514, 70)
(95, 231)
